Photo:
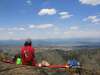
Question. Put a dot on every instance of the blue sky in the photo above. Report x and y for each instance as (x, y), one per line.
(49, 19)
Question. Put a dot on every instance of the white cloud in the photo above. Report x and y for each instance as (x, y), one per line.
(93, 19)
(65, 15)
(42, 26)
(47, 11)
(31, 26)
(29, 2)
(45, 26)
(74, 28)
(38, 26)
(90, 2)
(15, 29)
(21, 28)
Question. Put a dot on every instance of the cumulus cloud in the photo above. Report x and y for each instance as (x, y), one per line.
(42, 26)
(93, 19)
(65, 15)
(47, 11)
(90, 2)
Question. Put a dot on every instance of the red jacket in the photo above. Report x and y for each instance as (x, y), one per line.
(28, 54)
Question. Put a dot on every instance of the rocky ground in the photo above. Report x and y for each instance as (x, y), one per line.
(89, 60)
(11, 69)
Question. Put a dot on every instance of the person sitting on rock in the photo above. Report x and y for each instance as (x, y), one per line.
(28, 53)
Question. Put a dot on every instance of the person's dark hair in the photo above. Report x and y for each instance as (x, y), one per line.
(28, 43)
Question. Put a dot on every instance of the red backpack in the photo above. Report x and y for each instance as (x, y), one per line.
(27, 53)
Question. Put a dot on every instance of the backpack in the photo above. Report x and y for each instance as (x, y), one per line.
(27, 53)
(73, 63)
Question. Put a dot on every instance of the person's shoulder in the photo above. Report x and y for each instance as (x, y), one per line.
(31, 47)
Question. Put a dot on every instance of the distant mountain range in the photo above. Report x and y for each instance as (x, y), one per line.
(54, 42)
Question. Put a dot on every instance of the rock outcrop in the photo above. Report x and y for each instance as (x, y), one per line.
(12, 69)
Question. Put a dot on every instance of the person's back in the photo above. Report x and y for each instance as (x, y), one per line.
(28, 54)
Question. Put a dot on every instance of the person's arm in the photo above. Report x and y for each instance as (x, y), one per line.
(33, 52)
